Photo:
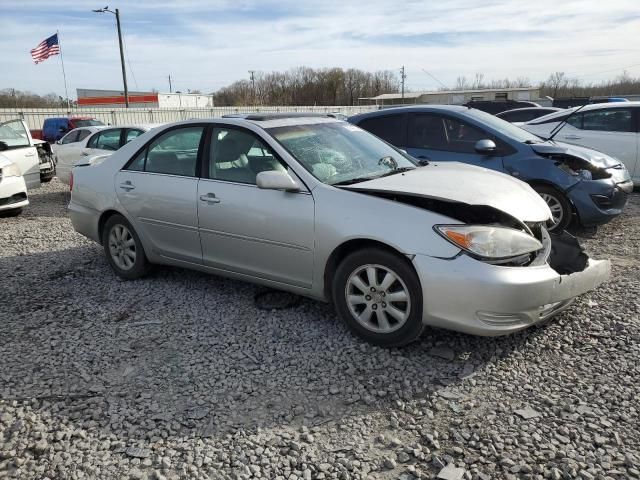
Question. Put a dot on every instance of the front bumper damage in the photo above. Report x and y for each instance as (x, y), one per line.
(474, 297)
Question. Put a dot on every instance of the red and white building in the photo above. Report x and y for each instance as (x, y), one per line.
(115, 99)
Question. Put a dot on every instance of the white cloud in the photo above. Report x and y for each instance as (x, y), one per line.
(207, 44)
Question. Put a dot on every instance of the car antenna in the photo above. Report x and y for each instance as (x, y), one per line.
(562, 123)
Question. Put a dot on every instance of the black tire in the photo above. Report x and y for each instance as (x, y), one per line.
(554, 198)
(408, 282)
(13, 212)
(140, 265)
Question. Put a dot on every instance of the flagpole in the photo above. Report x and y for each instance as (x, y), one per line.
(64, 75)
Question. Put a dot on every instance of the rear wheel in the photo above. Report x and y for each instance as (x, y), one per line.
(123, 249)
(558, 204)
(377, 294)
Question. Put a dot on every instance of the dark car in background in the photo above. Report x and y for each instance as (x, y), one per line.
(53, 129)
(574, 181)
(521, 115)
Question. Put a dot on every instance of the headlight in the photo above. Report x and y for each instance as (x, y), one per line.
(11, 170)
(489, 242)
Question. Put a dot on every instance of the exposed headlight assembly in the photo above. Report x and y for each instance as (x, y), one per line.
(489, 242)
(11, 170)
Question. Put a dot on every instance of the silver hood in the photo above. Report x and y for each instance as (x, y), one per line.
(458, 182)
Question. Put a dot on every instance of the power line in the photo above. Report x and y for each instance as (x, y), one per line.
(432, 76)
(126, 51)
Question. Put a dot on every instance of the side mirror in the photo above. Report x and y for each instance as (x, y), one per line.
(485, 147)
(59, 142)
(275, 180)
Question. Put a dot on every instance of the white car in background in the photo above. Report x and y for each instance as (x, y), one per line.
(87, 144)
(20, 160)
(611, 128)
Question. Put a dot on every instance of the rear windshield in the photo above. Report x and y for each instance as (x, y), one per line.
(87, 123)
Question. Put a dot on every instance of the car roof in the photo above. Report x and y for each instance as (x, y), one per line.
(585, 108)
(527, 109)
(409, 109)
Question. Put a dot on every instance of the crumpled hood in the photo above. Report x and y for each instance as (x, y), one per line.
(594, 157)
(458, 182)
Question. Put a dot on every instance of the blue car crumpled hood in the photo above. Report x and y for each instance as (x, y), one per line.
(594, 157)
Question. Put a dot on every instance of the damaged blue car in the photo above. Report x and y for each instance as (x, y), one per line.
(578, 184)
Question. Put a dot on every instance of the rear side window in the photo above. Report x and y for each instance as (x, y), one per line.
(173, 153)
(109, 140)
(82, 134)
(390, 128)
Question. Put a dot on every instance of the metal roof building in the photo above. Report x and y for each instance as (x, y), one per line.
(455, 97)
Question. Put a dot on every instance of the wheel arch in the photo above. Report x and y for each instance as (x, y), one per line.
(104, 216)
(344, 249)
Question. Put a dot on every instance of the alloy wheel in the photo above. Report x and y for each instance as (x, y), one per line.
(122, 247)
(377, 298)
(557, 212)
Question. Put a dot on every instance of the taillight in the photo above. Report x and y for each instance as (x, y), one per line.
(71, 181)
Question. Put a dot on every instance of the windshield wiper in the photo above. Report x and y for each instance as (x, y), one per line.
(351, 181)
(563, 122)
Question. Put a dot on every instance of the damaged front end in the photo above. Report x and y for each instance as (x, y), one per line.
(561, 251)
(46, 160)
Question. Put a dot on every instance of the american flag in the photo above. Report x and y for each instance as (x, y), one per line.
(45, 49)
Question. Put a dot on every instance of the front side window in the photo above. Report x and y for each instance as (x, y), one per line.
(612, 120)
(173, 153)
(340, 153)
(131, 134)
(390, 128)
(109, 140)
(13, 134)
(238, 156)
(435, 132)
(71, 137)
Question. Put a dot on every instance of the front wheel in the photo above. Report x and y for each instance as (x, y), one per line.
(377, 293)
(558, 204)
(123, 249)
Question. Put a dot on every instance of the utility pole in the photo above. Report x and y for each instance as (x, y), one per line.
(402, 79)
(170, 91)
(124, 71)
(253, 85)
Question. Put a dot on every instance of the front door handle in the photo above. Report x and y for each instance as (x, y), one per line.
(30, 154)
(85, 154)
(210, 198)
(572, 137)
(127, 186)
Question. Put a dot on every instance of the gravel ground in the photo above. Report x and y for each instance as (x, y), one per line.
(179, 375)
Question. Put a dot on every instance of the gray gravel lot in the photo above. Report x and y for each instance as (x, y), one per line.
(179, 375)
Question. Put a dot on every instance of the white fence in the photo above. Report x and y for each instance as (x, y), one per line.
(127, 116)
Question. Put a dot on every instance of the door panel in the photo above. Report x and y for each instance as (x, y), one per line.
(165, 211)
(265, 233)
(15, 135)
(245, 229)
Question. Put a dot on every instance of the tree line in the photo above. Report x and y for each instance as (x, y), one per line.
(337, 86)
(308, 86)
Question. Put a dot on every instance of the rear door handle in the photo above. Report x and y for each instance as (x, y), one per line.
(85, 154)
(210, 198)
(30, 154)
(572, 137)
(127, 186)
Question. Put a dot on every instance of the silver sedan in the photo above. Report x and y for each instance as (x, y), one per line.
(321, 208)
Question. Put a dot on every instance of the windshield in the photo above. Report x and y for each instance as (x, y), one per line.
(340, 153)
(502, 126)
(87, 123)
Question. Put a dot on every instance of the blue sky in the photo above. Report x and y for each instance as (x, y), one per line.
(206, 44)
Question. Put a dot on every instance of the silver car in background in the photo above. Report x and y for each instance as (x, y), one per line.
(321, 208)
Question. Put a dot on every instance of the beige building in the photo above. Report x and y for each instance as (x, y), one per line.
(455, 97)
